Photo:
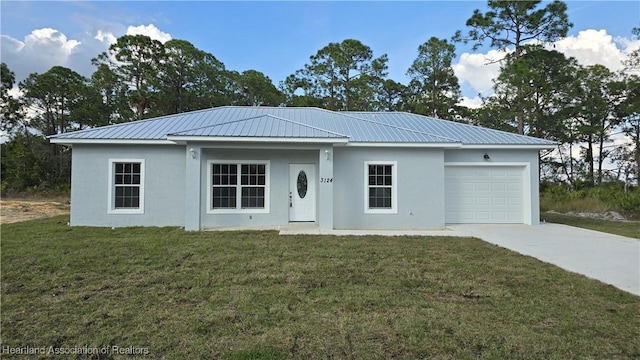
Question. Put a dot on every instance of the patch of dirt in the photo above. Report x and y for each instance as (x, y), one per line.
(12, 211)
(608, 215)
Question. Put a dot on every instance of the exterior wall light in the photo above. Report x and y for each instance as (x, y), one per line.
(192, 151)
(326, 154)
(486, 156)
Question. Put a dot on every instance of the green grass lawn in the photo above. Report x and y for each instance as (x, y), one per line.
(257, 295)
(623, 228)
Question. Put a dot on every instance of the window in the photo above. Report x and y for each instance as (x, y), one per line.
(238, 186)
(380, 187)
(126, 189)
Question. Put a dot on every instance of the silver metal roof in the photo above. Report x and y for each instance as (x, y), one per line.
(304, 123)
(467, 134)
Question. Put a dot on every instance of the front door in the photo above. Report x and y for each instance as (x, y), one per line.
(302, 192)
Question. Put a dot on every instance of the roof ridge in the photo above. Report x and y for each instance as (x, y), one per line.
(257, 117)
(476, 127)
(218, 124)
(163, 117)
(307, 125)
(399, 127)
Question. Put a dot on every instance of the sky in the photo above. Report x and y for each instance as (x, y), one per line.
(277, 38)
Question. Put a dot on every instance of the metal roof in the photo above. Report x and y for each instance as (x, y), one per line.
(304, 123)
(467, 134)
(261, 126)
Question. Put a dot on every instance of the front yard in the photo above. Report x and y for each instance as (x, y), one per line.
(253, 295)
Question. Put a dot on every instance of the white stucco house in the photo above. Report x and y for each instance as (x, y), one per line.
(264, 166)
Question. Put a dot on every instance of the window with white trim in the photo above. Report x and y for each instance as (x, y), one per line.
(380, 187)
(238, 186)
(126, 186)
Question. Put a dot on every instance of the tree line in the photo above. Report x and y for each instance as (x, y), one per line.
(539, 92)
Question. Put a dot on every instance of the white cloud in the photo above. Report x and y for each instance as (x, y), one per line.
(479, 70)
(15, 92)
(472, 103)
(476, 72)
(151, 31)
(44, 48)
(38, 52)
(592, 47)
(105, 37)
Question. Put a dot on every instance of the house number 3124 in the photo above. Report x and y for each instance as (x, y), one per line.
(326, 180)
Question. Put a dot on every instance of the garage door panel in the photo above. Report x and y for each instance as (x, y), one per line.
(499, 186)
(515, 187)
(498, 201)
(484, 194)
(499, 216)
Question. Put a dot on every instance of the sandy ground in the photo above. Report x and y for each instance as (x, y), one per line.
(12, 211)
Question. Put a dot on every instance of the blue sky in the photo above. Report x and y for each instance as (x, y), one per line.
(277, 38)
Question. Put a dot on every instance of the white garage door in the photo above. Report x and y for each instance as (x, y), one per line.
(484, 194)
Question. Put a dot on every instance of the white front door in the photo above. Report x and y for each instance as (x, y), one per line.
(302, 192)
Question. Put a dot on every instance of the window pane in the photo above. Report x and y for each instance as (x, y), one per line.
(252, 185)
(252, 197)
(127, 181)
(380, 197)
(224, 197)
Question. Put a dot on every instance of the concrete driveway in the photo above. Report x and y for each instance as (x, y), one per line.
(609, 258)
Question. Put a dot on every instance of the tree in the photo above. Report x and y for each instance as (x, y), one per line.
(135, 59)
(629, 108)
(545, 78)
(10, 108)
(600, 95)
(60, 99)
(256, 89)
(434, 86)
(189, 79)
(113, 106)
(22, 160)
(392, 95)
(512, 24)
(299, 91)
(344, 74)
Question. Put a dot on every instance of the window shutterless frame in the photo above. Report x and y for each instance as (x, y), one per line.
(126, 186)
(238, 186)
(380, 187)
